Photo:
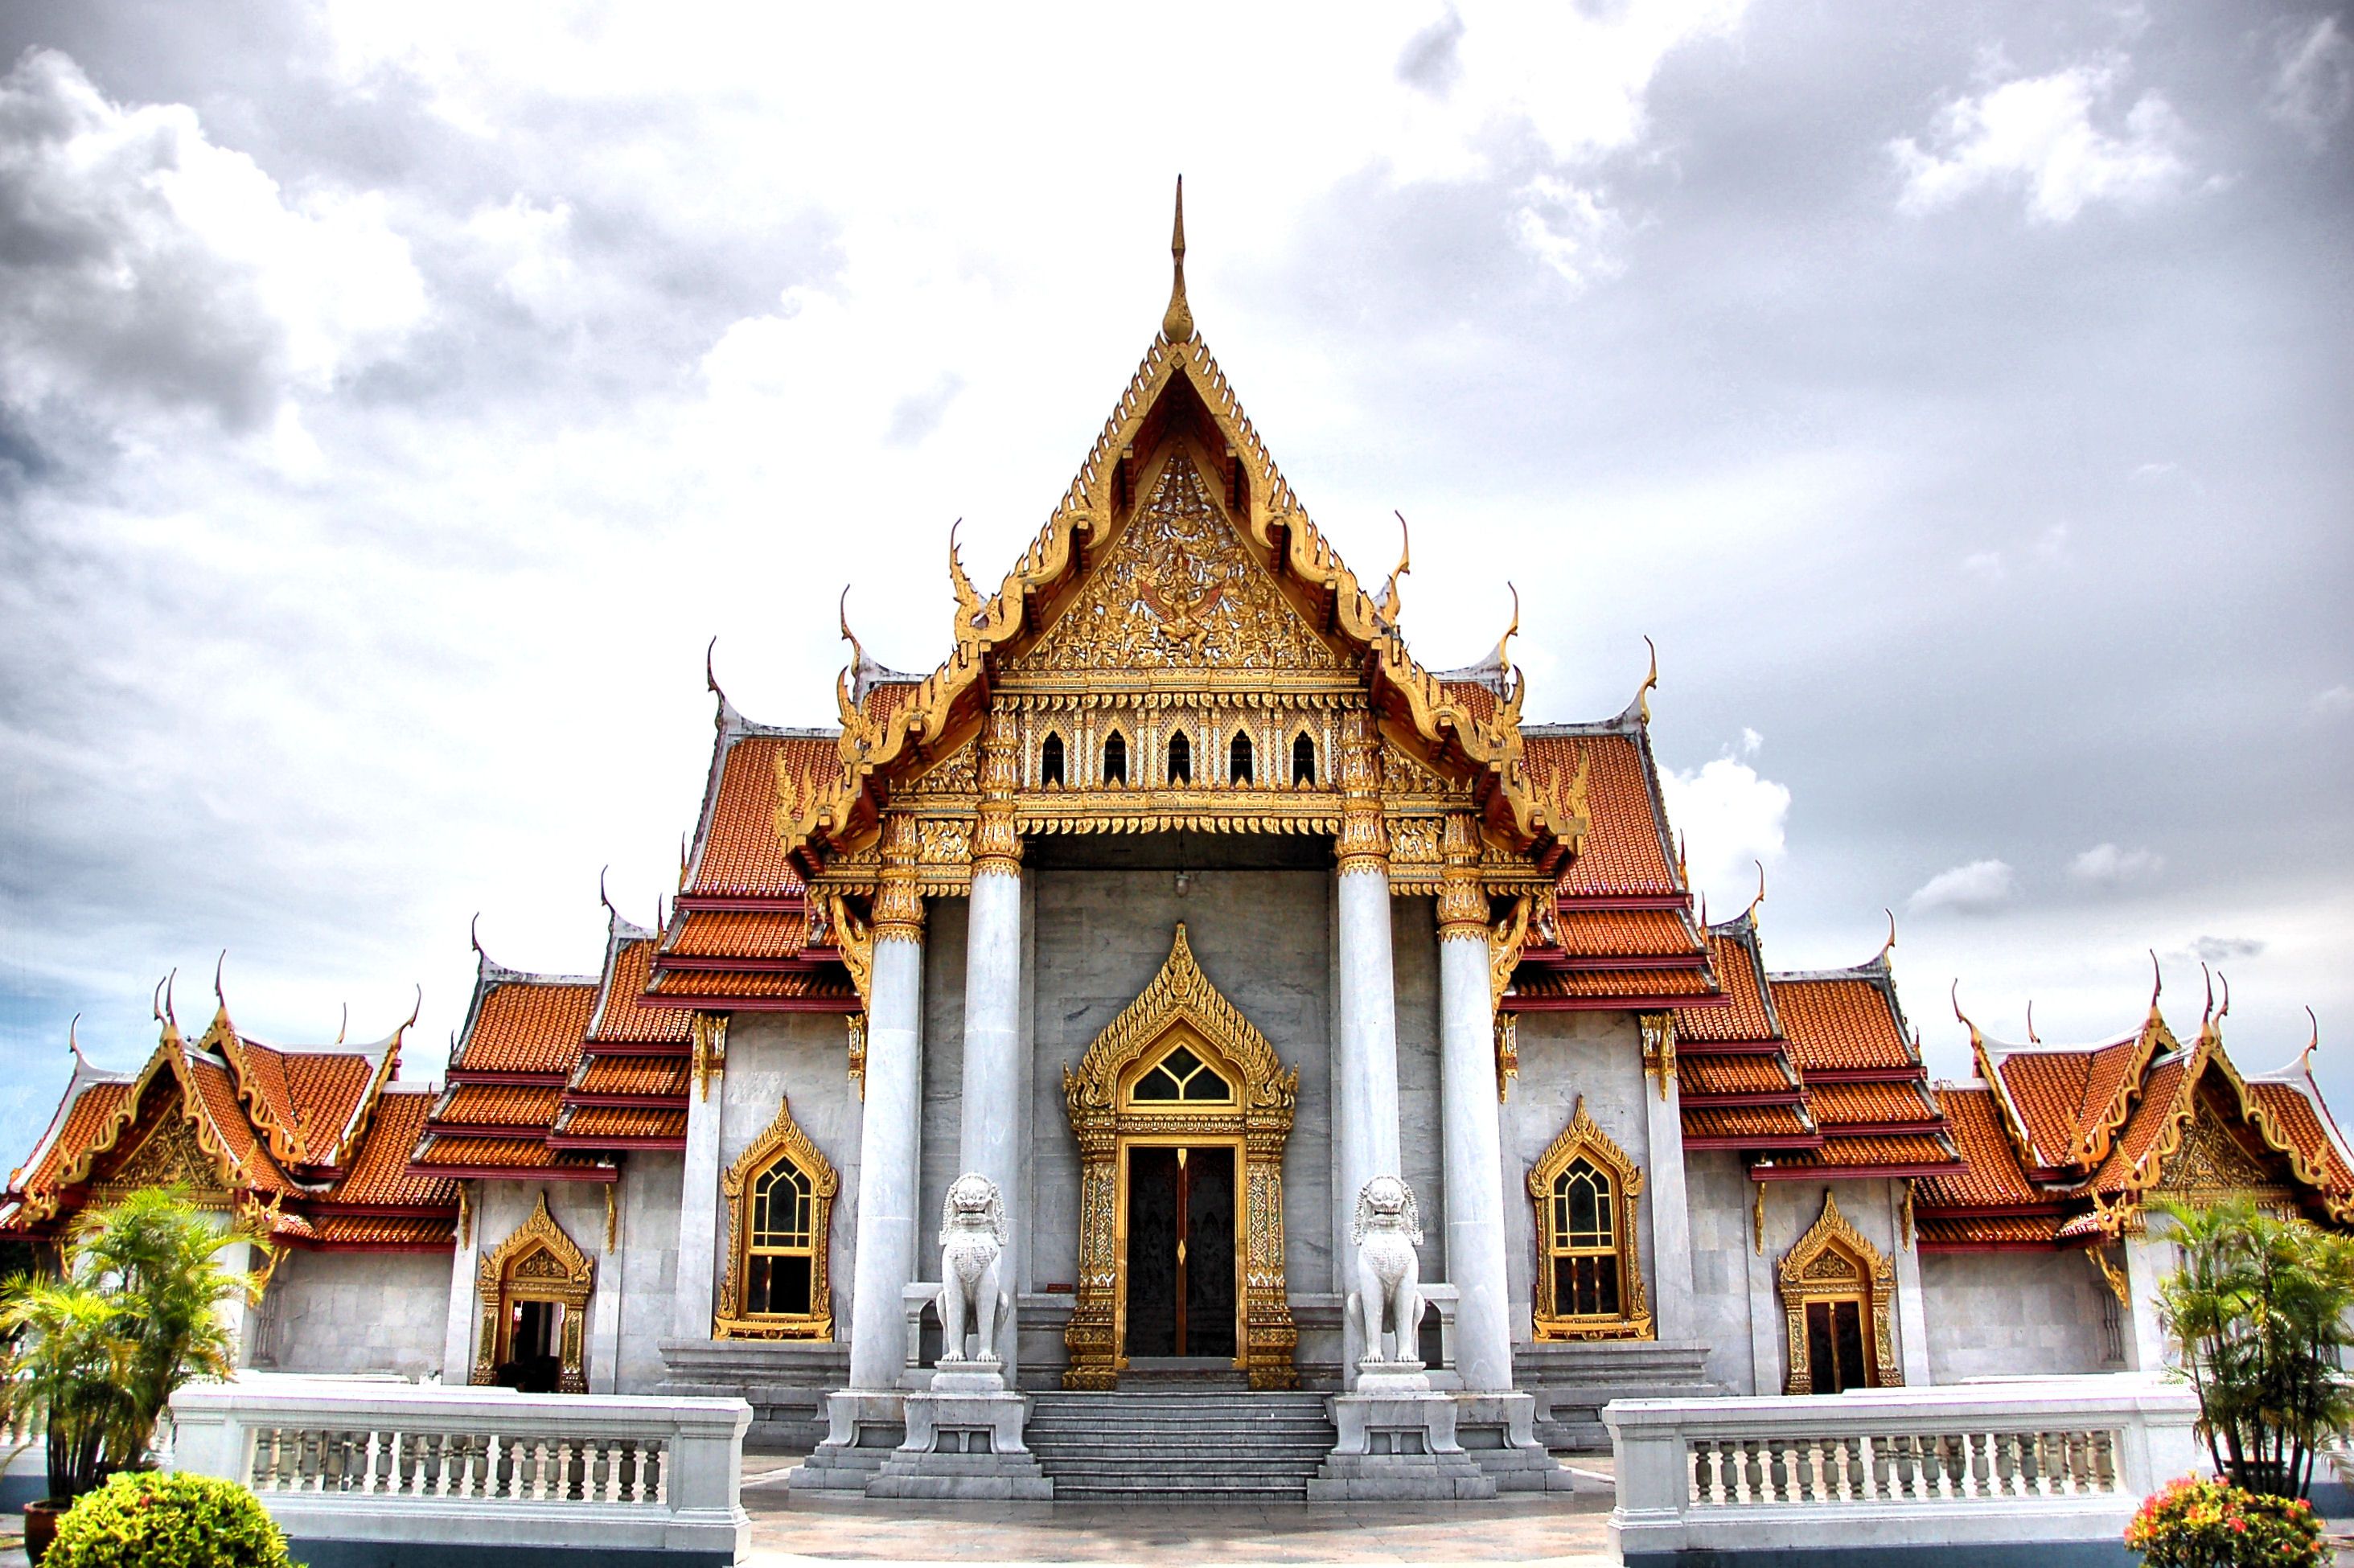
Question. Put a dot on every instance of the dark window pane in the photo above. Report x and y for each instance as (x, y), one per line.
(1181, 760)
(1303, 761)
(1050, 760)
(1823, 1361)
(1240, 760)
(1847, 1329)
(1116, 760)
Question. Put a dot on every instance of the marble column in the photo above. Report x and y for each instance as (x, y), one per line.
(1468, 1114)
(602, 1346)
(891, 1123)
(1912, 1301)
(2149, 1260)
(990, 1140)
(1365, 1093)
(698, 1203)
(1671, 1249)
(458, 1333)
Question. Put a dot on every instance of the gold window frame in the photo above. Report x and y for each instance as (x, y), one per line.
(537, 1262)
(1582, 1140)
(1834, 1262)
(784, 1141)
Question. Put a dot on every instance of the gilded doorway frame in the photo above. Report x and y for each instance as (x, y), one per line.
(537, 1262)
(1106, 1122)
(1834, 1262)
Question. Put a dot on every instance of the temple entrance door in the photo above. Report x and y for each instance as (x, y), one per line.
(1180, 1275)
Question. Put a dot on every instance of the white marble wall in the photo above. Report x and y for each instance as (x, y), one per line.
(357, 1311)
(805, 1056)
(1422, 1147)
(2002, 1313)
(1717, 1185)
(642, 1267)
(1564, 1055)
(1791, 1210)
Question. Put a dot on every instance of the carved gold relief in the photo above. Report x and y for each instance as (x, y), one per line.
(537, 1263)
(1571, 1255)
(1180, 1001)
(784, 1141)
(707, 1036)
(1832, 1262)
(1659, 1048)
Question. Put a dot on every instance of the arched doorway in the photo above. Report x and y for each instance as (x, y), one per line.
(1837, 1295)
(535, 1290)
(1182, 1111)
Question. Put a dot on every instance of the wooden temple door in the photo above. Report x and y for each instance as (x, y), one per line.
(1181, 1251)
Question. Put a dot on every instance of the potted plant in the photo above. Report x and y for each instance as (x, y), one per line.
(2260, 1308)
(133, 1313)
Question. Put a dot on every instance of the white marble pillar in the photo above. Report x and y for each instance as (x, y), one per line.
(1474, 1152)
(457, 1334)
(695, 1283)
(989, 1139)
(887, 1150)
(1767, 1323)
(1671, 1247)
(1912, 1301)
(2149, 1260)
(603, 1346)
(1365, 1108)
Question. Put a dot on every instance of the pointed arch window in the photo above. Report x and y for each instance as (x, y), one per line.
(1115, 761)
(1050, 760)
(1181, 760)
(1239, 759)
(1589, 1283)
(780, 1197)
(1303, 760)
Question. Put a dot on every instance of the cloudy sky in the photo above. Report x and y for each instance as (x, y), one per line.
(395, 400)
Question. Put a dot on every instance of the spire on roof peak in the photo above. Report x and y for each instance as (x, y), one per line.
(1177, 322)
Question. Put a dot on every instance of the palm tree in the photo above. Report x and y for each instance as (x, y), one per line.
(69, 1366)
(2260, 1308)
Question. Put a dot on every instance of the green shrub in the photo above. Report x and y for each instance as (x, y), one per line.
(2200, 1522)
(150, 1520)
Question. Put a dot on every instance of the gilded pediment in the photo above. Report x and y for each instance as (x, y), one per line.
(1177, 591)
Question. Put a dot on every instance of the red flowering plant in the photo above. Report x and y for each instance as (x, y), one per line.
(2202, 1523)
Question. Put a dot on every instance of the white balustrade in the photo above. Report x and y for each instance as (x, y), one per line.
(422, 1464)
(1984, 1463)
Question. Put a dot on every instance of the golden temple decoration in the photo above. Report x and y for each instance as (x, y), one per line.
(899, 896)
(707, 1038)
(1659, 1048)
(1462, 899)
(1832, 1262)
(612, 1217)
(2111, 1274)
(996, 846)
(1181, 1003)
(1589, 1282)
(806, 1234)
(854, 940)
(1757, 1219)
(1506, 939)
(1906, 1225)
(537, 1263)
(1508, 1053)
(465, 1217)
(1364, 841)
(1177, 322)
(857, 1021)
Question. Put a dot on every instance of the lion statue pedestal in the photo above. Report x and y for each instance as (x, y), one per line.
(1397, 1437)
(964, 1433)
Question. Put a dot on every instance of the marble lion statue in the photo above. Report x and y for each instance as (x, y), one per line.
(1388, 1294)
(972, 1295)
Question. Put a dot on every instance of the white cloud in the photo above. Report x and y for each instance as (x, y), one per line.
(1729, 818)
(141, 262)
(2037, 134)
(2314, 86)
(2337, 700)
(2106, 865)
(1973, 888)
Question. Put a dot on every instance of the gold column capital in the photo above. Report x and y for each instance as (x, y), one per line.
(1364, 843)
(996, 844)
(898, 901)
(1462, 901)
(1658, 1047)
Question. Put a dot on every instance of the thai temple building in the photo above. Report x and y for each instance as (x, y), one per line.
(1181, 905)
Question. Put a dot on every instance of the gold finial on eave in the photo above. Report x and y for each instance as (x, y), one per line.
(1750, 914)
(2032, 1037)
(1177, 323)
(1390, 601)
(1650, 683)
(1889, 946)
(1504, 643)
(2304, 1057)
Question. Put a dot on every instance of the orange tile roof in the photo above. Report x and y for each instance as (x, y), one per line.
(738, 933)
(505, 1153)
(525, 1025)
(583, 1122)
(2164, 1097)
(213, 1094)
(497, 1104)
(734, 984)
(1604, 985)
(1625, 849)
(1871, 1104)
(1477, 698)
(1626, 933)
(1732, 954)
(2071, 1100)
(1840, 1022)
(1756, 1074)
(1960, 1232)
(663, 1076)
(1993, 1178)
(95, 1112)
(2296, 1119)
(621, 1016)
(378, 1174)
(736, 853)
(384, 1233)
(1746, 1123)
(1872, 1149)
(885, 698)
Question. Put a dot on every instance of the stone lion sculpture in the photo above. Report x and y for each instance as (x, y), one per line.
(972, 1295)
(1388, 1294)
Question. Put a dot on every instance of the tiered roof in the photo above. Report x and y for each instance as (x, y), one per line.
(523, 1039)
(2063, 1144)
(311, 1141)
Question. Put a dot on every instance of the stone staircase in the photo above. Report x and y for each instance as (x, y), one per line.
(1178, 1444)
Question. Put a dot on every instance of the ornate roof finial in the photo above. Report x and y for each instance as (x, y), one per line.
(73, 1039)
(1389, 606)
(683, 865)
(2304, 1057)
(1954, 995)
(2156, 982)
(475, 937)
(967, 600)
(1684, 875)
(1177, 322)
(2207, 1011)
(217, 963)
(415, 1008)
(1642, 703)
(846, 691)
(710, 679)
(2225, 1010)
(1889, 946)
(1750, 914)
(2032, 1037)
(1504, 643)
(345, 1026)
(171, 1018)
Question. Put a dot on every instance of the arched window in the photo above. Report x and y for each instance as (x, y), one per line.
(1588, 1284)
(1181, 760)
(779, 1196)
(1050, 761)
(1181, 1076)
(1115, 770)
(1239, 759)
(1303, 760)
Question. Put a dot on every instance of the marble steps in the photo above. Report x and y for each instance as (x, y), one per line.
(1210, 1446)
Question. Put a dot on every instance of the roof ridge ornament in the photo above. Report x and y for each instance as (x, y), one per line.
(1177, 322)
(2156, 983)
(1504, 643)
(344, 1028)
(1389, 605)
(73, 1038)
(2032, 1037)
(1889, 946)
(1750, 914)
(968, 598)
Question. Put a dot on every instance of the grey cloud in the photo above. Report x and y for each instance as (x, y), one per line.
(1429, 60)
(918, 414)
(2225, 950)
(2315, 85)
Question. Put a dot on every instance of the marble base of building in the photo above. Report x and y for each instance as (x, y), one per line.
(1398, 1441)
(864, 1429)
(1572, 1380)
(784, 1381)
(964, 1441)
(1497, 1430)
